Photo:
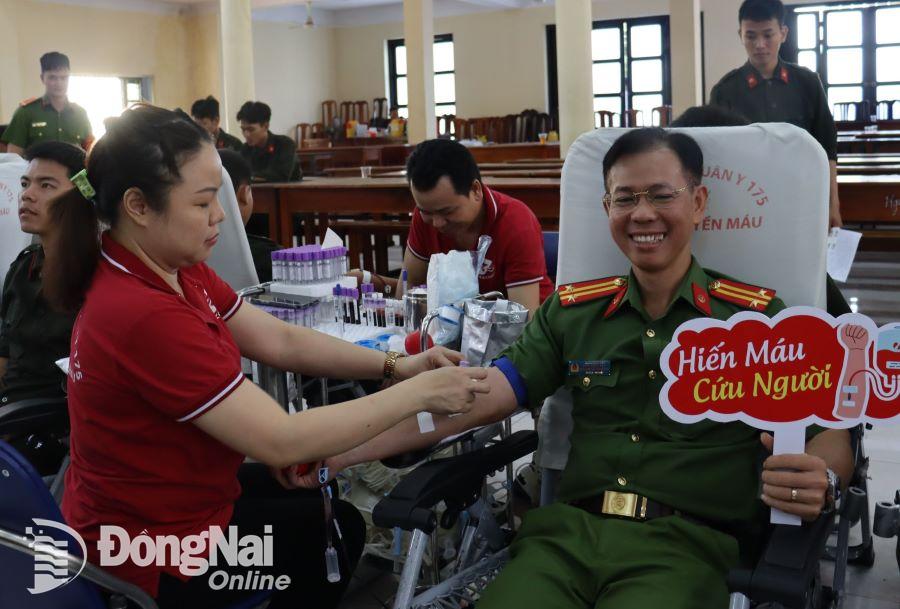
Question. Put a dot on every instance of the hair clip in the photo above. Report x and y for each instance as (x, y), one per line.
(80, 180)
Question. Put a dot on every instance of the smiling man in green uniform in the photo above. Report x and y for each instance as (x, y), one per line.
(273, 158)
(51, 117)
(648, 508)
(769, 90)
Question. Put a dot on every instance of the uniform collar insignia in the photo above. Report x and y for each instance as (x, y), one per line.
(701, 299)
(752, 80)
(783, 74)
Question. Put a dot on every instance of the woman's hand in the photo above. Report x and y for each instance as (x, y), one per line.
(436, 357)
(795, 484)
(449, 390)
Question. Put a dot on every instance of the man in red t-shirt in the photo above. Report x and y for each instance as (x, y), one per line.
(454, 208)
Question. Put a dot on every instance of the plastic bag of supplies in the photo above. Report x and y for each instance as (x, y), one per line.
(489, 327)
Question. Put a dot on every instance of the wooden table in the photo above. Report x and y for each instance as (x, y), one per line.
(869, 169)
(319, 198)
(867, 200)
(868, 159)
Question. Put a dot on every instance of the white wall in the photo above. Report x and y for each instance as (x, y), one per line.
(295, 72)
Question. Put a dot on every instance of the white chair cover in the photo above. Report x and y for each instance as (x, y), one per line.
(231, 258)
(12, 239)
(766, 224)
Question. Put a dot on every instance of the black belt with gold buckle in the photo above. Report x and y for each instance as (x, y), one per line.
(632, 506)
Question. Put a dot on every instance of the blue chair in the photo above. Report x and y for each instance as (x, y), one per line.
(30, 559)
(551, 252)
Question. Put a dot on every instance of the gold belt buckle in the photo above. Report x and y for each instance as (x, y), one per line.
(626, 505)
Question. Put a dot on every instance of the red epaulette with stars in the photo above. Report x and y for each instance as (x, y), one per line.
(586, 291)
(25, 102)
(742, 294)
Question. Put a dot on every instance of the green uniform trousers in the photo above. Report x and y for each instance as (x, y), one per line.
(566, 558)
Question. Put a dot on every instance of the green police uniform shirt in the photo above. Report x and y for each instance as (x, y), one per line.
(793, 95)
(276, 161)
(37, 121)
(606, 350)
(228, 141)
(32, 335)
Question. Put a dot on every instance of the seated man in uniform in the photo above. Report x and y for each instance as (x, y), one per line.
(51, 117)
(454, 208)
(205, 113)
(603, 339)
(261, 248)
(272, 158)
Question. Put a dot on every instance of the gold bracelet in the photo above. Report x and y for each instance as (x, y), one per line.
(390, 364)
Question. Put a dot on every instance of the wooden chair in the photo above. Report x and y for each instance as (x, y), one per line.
(508, 130)
(851, 111)
(888, 110)
(346, 112)
(317, 130)
(329, 112)
(543, 124)
(463, 128)
(663, 114)
(361, 112)
(446, 124)
(301, 132)
(605, 118)
(633, 118)
(371, 239)
(381, 116)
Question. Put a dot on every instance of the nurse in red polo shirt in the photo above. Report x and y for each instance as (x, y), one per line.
(454, 208)
(162, 417)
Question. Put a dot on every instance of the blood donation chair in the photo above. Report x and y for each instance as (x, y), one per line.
(764, 226)
(231, 258)
(12, 239)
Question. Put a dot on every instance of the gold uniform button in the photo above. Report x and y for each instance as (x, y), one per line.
(650, 332)
(622, 481)
(586, 381)
(635, 438)
(652, 374)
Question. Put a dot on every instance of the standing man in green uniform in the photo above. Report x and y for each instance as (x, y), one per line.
(261, 248)
(647, 507)
(769, 90)
(51, 117)
(273, 158)
(205, 113)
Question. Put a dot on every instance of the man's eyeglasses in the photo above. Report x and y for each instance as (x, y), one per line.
(658, 198)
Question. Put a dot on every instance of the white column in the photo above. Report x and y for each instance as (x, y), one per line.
(10, 73)
(573, 68)
(236, 49)
(687, 75)
(418, 34)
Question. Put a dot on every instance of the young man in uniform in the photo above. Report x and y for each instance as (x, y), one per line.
(51, 117)
(272, 158)
(205, 113)
(261, 248)
(769, 90)
(454, 208)
(602, 339)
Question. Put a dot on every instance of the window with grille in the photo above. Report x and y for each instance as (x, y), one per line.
(444, 76)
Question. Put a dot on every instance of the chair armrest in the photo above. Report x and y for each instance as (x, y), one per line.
(97, 576)
(457, 481)
(26, 416)
(788, 568)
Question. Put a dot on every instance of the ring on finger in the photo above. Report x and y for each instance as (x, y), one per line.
(794, 494)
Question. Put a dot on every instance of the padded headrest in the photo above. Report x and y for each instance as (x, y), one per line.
(12, 239)
(231, 258)
(767, 216)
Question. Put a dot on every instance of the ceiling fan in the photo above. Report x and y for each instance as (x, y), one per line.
(309, 23)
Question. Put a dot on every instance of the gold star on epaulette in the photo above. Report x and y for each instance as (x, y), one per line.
(586, 291)
(742, 294)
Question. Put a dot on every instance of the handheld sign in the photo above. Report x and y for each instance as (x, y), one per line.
(802, 367)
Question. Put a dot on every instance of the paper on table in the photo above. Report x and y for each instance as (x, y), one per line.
(842, 246)
(331, 239)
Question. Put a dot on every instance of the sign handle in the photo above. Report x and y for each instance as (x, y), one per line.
(789, 440)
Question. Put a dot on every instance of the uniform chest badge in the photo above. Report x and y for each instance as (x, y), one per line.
(39, 124)
(595, 367)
